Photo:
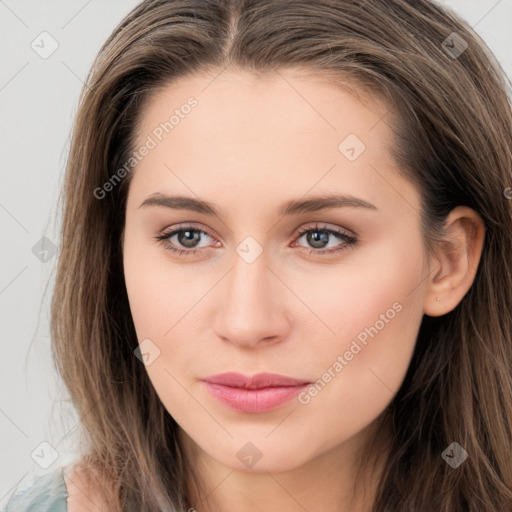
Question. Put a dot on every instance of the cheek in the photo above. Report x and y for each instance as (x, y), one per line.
(157, 290)
(362, 312)
(157, 303)
(375, 295)
(374, 313)
(164, 299)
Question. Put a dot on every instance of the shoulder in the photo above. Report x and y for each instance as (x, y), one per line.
(82, 496)
(42, 493)
(66, 489)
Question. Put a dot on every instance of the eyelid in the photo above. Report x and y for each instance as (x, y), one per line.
(163, 237)
(347, 239)
(184, 226)
(299, 231)
(323, 226)
(346, 236)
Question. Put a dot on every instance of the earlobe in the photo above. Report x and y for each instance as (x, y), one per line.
(454, 267)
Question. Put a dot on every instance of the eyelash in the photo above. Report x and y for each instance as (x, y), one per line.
(350, 241)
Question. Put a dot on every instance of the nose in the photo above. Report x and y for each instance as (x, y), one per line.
(251, 309)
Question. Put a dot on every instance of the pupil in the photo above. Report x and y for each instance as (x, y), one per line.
(318, 236)
(190, 236)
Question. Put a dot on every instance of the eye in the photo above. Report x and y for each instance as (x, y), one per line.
(186, 236)
(318, 237)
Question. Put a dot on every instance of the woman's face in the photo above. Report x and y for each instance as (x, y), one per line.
(259, 284)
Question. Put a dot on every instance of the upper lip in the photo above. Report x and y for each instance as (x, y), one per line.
(258, 381)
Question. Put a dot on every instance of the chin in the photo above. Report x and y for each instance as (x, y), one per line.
(266, 456)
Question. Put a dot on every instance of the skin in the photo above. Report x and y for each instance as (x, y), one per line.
(250, 145)
(82, 496)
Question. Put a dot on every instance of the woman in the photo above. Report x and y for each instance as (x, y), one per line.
(285, 278)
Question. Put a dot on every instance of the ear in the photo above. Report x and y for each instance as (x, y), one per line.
(454, 267)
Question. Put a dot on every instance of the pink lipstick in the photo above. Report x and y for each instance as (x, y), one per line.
(258, 393)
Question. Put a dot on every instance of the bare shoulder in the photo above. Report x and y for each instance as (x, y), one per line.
(82, 496)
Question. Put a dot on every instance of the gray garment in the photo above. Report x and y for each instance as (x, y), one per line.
(46, 493)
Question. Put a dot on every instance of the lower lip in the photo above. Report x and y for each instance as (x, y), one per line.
(254, 400)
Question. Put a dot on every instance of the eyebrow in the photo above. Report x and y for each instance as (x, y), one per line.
(292, 207)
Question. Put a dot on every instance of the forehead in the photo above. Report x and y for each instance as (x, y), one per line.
(274, 100)
(281, 132)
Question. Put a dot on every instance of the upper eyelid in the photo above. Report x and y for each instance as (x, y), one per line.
(321, 226)
(299, 232)
(184, 227)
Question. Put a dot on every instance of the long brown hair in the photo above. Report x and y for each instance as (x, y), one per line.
(452, 120)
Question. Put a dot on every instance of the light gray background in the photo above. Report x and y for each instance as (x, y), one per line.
(38, 99)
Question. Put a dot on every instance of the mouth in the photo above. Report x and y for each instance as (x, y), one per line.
(254, 394)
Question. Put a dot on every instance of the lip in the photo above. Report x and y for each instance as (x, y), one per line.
(254, 394)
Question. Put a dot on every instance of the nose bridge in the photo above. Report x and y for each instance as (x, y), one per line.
(249, 276)
(248, 310)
